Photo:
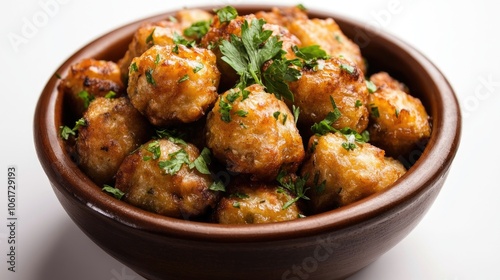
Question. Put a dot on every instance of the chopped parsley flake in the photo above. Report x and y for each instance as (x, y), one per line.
(276, 114)
(175, 162)
(358, 103)
(111, 94)
(86, 97)
(150, 40)
(348, 68)
(118, 194)
(149, 77)
(295, 186)
(371, 86)
(374, 111)
(154, 149)
(217, 185)
(197, 29)
(296, 113)
(183, 78)
(65, 131)
(133, 67)
(319, 187)
(172, 135)
(242, 113)
(198, 67)
(226, 14)
(325, 125)
(157, 59)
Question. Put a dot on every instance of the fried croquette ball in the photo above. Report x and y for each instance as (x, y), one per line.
(112, 129)
(223, 31)
(160, 33)
(398, 121)
(327, 34)
(253, 132)
(173, 84)
(339, 174)
(283, 16)
(337, 79)
(157, 178)
(256, 203)
(88, 79)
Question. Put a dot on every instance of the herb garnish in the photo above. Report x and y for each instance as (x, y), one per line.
(150, 40)
(110, 95)
(348, 68)
(197, 29)
(248, 53)
(149, 77)
(65, 131)
(295, 186)
(226, 14)
(117, 193)
(133, 67)
(154, 148)
(86, 97)
(183, 78)
(180, 157)
(325, 125)
(374, 111)
(370, 86)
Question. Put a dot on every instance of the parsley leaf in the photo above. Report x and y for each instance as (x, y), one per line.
(202, 161)
(172, 135)
(348, 68)
(154, 148)
(325, 125)
(150, 40)
(117, 193)
(183, 78)
(65, 131)
(310, 55)
(295, 185)
(197, 29)
(86, 97)
(175, 162)
(370, 86)
(226, 14)
(149, 77)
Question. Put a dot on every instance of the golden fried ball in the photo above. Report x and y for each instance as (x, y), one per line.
(253, 132)
(88, 79)
(338, 175)
(113, 128)
(173, 84)
(338, 79)
(327, 34)
(157, 178)
(149, 34)
(283, 16)
(256, 203)
(398, 121)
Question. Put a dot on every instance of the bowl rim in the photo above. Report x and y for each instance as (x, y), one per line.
(67, 177)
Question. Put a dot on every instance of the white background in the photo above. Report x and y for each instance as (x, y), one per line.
(459, 238)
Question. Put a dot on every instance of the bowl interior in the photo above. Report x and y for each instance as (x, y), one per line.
(382, 51)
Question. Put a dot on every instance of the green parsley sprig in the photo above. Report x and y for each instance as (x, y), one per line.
(352, 136)
(294, 185)
(66, 131)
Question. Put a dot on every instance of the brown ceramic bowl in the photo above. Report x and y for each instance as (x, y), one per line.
(330, 245)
